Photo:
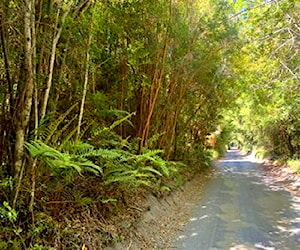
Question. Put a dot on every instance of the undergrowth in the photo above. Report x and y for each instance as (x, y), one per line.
(78, 190)
(295, 164)
(87, 193)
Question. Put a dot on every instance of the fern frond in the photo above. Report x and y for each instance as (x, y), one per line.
(83, 131)
(151, 153)
(52, 128)
(89, 166)
(61, 131)
(148, 155)
(117, 169)
(120, 179)
(162, 165)
(61, 162)
(145, 156)
(150, 169)
(68, 138)
(143, 183)
(78, 147)
(154, 139)
(118, 122)
(115, 124)
(39, 149)
(104, 153)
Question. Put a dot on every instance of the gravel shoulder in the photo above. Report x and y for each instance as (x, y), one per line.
(284, 175)
(157, 227)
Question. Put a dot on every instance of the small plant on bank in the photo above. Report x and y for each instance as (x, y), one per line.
(295, 164)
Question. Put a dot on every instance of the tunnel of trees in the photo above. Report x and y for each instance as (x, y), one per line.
(101, 100)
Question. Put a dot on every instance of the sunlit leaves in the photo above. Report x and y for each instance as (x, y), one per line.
(269, 73)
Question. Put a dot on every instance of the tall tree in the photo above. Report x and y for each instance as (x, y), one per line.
(24, 102)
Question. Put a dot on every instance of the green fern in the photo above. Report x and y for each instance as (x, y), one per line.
(67, 139)
(52, 128)
(109, 154)
(115, 124)
(56, 136)
(118, 122)
(162, 165)
(82, 201)
(129, 177)
(145, 156)
(157, 162)
(119, 166)
(61, 163)
(150, 153)
(77, 147)
(150, 169)
(152, 141)
(135, 170)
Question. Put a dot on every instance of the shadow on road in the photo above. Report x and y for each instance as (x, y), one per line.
(242, 208)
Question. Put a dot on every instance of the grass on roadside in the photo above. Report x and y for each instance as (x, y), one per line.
(294, 164)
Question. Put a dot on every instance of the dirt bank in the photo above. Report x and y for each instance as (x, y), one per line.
(155, 229)
(283, 174)
(286, 176)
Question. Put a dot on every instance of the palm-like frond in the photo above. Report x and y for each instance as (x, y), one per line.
(136, 170)
(103, 153)
(119, 166)
(52, 128)
(60, 162)
(115, 124)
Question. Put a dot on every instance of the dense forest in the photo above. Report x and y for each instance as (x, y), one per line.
(101, 101)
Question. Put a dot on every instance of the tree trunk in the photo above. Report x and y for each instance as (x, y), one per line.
(6, 62)
(36, 113)
(86, 79)
(52, 60)
(23, 108)
(7, 107)
(155, 88)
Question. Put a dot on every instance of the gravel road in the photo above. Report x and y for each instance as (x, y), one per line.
(242, 208)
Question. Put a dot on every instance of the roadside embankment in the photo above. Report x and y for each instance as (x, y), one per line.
(281, 172)
(156, 227)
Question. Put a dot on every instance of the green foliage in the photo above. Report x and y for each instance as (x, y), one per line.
(137, 170)
(101, 131)
(268, 74)
(44, 226)
(223, 139)
(294, 164)
(109, 200)
(40, 247)
(197, 157)
(11, 234)
(118, 166)
(61, 163)
(261, 153)
(52, 128)
(82, 201)
(8, 213)
(6, 183)
(162, 76)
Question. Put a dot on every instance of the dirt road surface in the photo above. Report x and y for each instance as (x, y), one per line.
(242, 208)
